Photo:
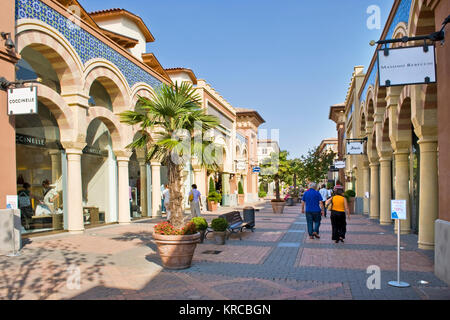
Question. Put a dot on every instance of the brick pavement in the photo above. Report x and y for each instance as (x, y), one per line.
(276, 262)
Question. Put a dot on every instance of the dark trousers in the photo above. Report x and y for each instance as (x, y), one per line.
(313, 221)
(338, 224)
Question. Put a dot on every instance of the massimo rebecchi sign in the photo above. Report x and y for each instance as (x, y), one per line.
(22, 101)
(407, 65)
(355, 147)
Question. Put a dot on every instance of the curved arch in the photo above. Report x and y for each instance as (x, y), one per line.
(120, 135)
(424, 111)
(400, 31)
(61, 111)
(112, 79)
(140, 89)
(60, 54)
(384, 144)
(421, 19)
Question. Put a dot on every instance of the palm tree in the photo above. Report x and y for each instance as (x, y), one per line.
(173, 126)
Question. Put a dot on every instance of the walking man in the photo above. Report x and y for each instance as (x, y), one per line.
(324, 193)
(166, 199)
(195, 201)
(314, 208)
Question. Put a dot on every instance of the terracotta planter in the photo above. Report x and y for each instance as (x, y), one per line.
(176, 252)
(351, 205)
(212, 206)
(241, 198)
(278, 207)
(219, 237)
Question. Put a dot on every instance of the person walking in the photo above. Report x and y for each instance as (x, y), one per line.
(339, 208)
(166, 199)
(24, 204)
(196, 201)
(312, 200)
(324, 193)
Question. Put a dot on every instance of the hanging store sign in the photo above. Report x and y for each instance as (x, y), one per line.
(95, 151)
(407, 65)
(241, 165)
(355, 147)
(339, 164)
(22, 101)
(256, 169)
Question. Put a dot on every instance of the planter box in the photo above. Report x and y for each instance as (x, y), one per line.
(278, 207)
(176, 252)
(219, 237)
(212, 206)
(241, 199)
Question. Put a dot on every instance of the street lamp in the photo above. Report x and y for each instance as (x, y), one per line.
(9, 44)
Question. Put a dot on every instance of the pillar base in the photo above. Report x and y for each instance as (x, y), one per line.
(124, 223)
(76, 231)
(426, 246)
(385, 223)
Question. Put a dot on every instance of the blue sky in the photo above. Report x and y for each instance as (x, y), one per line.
(288, 59)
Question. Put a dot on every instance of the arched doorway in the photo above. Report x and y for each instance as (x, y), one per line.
(99, 176)
(40, 160)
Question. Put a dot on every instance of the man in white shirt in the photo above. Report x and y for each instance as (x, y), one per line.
(166, 199)
(324, 193)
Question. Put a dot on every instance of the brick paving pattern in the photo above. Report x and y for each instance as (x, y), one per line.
(276, 262)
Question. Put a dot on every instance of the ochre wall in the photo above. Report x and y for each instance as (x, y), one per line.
(443, 75)
(7, 131)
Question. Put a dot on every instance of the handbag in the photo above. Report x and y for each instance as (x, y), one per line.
(191, 197)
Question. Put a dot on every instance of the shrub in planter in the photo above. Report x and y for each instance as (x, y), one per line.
(262, 194)
(219, 225)
(350, 196)
(176, 246)
(241, 196)
(213, 199)
(201, 225)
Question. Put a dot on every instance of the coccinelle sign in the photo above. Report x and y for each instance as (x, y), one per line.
(22, 101)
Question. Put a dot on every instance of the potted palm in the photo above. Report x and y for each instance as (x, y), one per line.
(169, 122)
(201, 225)
(219, 226)
(241, 195)
(276, 168)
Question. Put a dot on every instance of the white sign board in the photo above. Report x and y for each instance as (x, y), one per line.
(12, 202)
(22, 101)
(409, 65)
(339, 164)
(241, 165)
(398, 209)
(355, 147)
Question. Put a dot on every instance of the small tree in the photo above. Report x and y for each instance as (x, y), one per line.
(240, 188)
(276, 168)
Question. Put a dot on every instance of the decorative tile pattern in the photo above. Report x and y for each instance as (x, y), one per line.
(86, 45)
(402, 15)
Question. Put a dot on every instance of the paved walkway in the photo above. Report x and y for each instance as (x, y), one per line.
(278, 261)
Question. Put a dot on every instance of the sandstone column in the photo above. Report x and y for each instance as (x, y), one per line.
(75, 222)
(366, 178)
(428, 198)
(124, 190)
(385, 191)
(156, 189)
(402, 187)
(374, 191)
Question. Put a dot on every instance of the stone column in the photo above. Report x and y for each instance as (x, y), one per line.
(226, 189)
(55, 157)
(156, 189)
(75, 222)
(374, 191)
(428, 198)
(402, 187)
(143, 190)
(366, 178)
(385, 191)
(124, 190)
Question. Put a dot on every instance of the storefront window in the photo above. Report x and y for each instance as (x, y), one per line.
(40, 182)
(99, 176)
(415, 183)
(35, 65)
(134, 174)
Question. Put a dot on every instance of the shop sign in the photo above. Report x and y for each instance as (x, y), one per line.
(256, 169)
(30, 141)
(241, 165)
(355, 147)
(339, 164)
(12, 202)
(407, 65)
(398, 209)
(22, 101)
(94, 151)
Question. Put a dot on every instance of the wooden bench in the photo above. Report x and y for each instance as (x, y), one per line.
(235, 223)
